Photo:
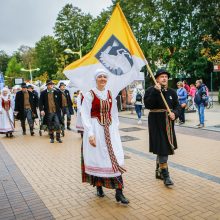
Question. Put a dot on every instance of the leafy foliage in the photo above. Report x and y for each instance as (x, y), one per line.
(46, 53)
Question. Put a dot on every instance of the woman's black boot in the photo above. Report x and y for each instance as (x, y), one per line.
(100, 192)
(120, 197)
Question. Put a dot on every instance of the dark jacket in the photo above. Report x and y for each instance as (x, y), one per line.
(201, 95)
(19, 104)
(69, 101)
(44, 106)
(157, 124)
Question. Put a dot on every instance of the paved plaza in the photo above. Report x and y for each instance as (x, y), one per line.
(39, 180)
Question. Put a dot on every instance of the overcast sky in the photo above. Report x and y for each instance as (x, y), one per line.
(24, 22)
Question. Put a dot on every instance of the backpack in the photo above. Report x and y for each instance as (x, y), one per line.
(139, 97)
(206, 97)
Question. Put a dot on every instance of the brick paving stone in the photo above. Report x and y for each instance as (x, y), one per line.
(14, 188)
(46, 179)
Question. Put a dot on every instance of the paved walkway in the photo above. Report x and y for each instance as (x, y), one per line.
(39, 180)
(212, 118)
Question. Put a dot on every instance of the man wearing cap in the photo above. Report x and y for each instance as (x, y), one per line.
(50, 108)
(30, 88)
(67, 108)
(25, 108)
(162, 138)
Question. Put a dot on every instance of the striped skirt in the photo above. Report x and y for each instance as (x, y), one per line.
(108, 182)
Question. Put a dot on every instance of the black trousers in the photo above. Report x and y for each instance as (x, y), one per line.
(53, 122)
(182, 115)
(28, 116)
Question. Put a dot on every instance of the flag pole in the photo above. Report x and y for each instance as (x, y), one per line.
(162, 96)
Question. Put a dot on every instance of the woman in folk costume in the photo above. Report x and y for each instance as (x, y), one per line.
(103, 156)
(79, 125)
(6, 114)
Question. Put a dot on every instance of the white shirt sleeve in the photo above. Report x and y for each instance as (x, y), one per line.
(114, 112)
(86, 114)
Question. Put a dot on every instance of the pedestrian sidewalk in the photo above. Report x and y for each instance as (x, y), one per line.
(212, 118)
(41, 181)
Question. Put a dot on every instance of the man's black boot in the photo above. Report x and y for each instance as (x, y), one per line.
(51, 137)
(32, 130)
(58, 137)
(165, 175)
(68, 126)
(158, 172)
(120, 197)
(100, 192)
(23, 128)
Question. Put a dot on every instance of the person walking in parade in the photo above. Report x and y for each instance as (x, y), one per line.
(103, 155)
(137, 99)
(79, 125)
(50, 106)
(182, 97)
(67, 108)
(162, 138)
(25, 108)
(200, 100)
(6, 113)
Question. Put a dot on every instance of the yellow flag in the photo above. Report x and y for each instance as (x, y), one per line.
(116, 51)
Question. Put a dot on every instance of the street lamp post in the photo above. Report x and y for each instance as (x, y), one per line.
(74, 52)
(30, 71)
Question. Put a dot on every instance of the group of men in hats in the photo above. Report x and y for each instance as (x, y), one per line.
(53, 105)
(26, 103)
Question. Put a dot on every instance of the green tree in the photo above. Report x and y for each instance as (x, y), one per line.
(26, 55)
(13, 70)
(72, 28)
(46, 54)
(4, 58)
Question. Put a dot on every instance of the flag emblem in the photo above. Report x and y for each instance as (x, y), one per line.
(115, 57)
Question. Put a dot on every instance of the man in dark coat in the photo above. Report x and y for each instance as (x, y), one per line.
(25, 108)
(201, 99)
(161, 124)
(67, 105)
(50, 108)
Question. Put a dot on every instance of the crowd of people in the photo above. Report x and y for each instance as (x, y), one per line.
(24, 103)
(97, 121)
(197, 93)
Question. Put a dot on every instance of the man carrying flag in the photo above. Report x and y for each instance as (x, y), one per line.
(113, 63)
(161, 123)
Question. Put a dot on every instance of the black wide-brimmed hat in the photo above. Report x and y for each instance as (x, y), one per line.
(49, 82)
(162, 71)
(30, 87)
(23, 85)
(62, 84)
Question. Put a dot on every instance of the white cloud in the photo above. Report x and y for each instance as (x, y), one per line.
(24, 22)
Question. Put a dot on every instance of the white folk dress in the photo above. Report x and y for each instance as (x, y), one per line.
(97, 160)
(6, 116)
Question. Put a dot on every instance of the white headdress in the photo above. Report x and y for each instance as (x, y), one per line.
(100, 72)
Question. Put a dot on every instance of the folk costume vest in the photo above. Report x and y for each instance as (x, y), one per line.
(101, 110)
(6, 104)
